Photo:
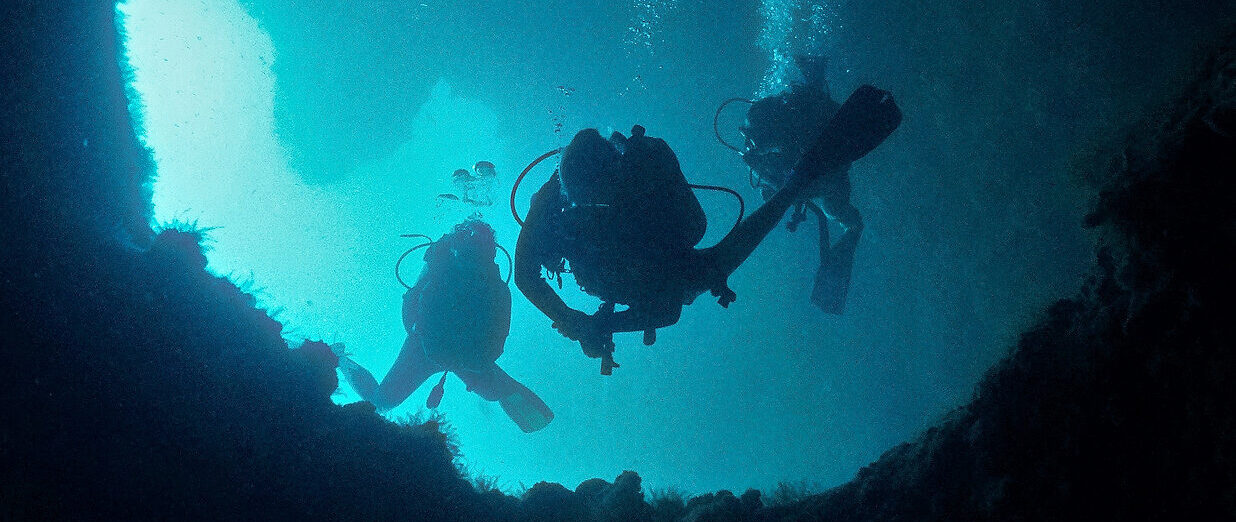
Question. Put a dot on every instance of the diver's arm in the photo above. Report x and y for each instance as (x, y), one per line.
(723, 259)
(499, 327)
(528, 274)
(571, 323)
(648, 316)
(412, 305)
(502, 328)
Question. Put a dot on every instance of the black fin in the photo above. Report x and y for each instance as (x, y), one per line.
(832, 283)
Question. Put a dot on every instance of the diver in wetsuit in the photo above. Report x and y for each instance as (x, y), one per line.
(457, 316)
(620, 216)
(778, 130)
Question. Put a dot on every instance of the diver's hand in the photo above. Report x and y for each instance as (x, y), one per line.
(724, 294)
(576, 325)
(601, 347)
(590, 332)
(597, 347)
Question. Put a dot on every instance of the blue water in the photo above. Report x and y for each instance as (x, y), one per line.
(312, 136)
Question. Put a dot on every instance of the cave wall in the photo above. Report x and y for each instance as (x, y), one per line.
(72, 164)
(136, 384)
(139, 386)
(1116, 405)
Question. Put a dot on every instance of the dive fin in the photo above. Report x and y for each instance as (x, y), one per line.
(832, 283)
(528, 411)
(358, 378)
(435, 395)
(866, 119)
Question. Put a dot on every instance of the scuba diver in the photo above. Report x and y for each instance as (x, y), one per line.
(778, 131)
(620, 216)
(457, 317)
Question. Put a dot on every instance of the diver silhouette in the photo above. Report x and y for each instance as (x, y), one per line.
(457, 316)
(620, 216)
(778, 131)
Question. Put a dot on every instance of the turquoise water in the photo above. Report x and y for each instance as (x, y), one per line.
(312, 137)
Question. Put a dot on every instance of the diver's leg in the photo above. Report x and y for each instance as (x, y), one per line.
(720, 260)
(491, 383)
(866, 118)
(358, 378)
(822, 268)
(523, 406)
(836, 204)
(410, 370)
(822, 226)
(852, 221)
(832, 280)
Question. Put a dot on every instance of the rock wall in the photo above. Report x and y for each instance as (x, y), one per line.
(139, 386)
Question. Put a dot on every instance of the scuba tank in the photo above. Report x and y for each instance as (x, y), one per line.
(619, 211)
(626, 208)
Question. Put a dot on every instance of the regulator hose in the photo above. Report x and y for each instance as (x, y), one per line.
(405, 254)
(551, 153)
(717, 116)
(514, 188)
(742, 206)
(510, 264)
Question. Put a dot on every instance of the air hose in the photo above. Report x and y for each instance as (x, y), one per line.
(717, 116)
(519, 179)
(405, 254)
(510, 264)
(742, 206)
(547, 155)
